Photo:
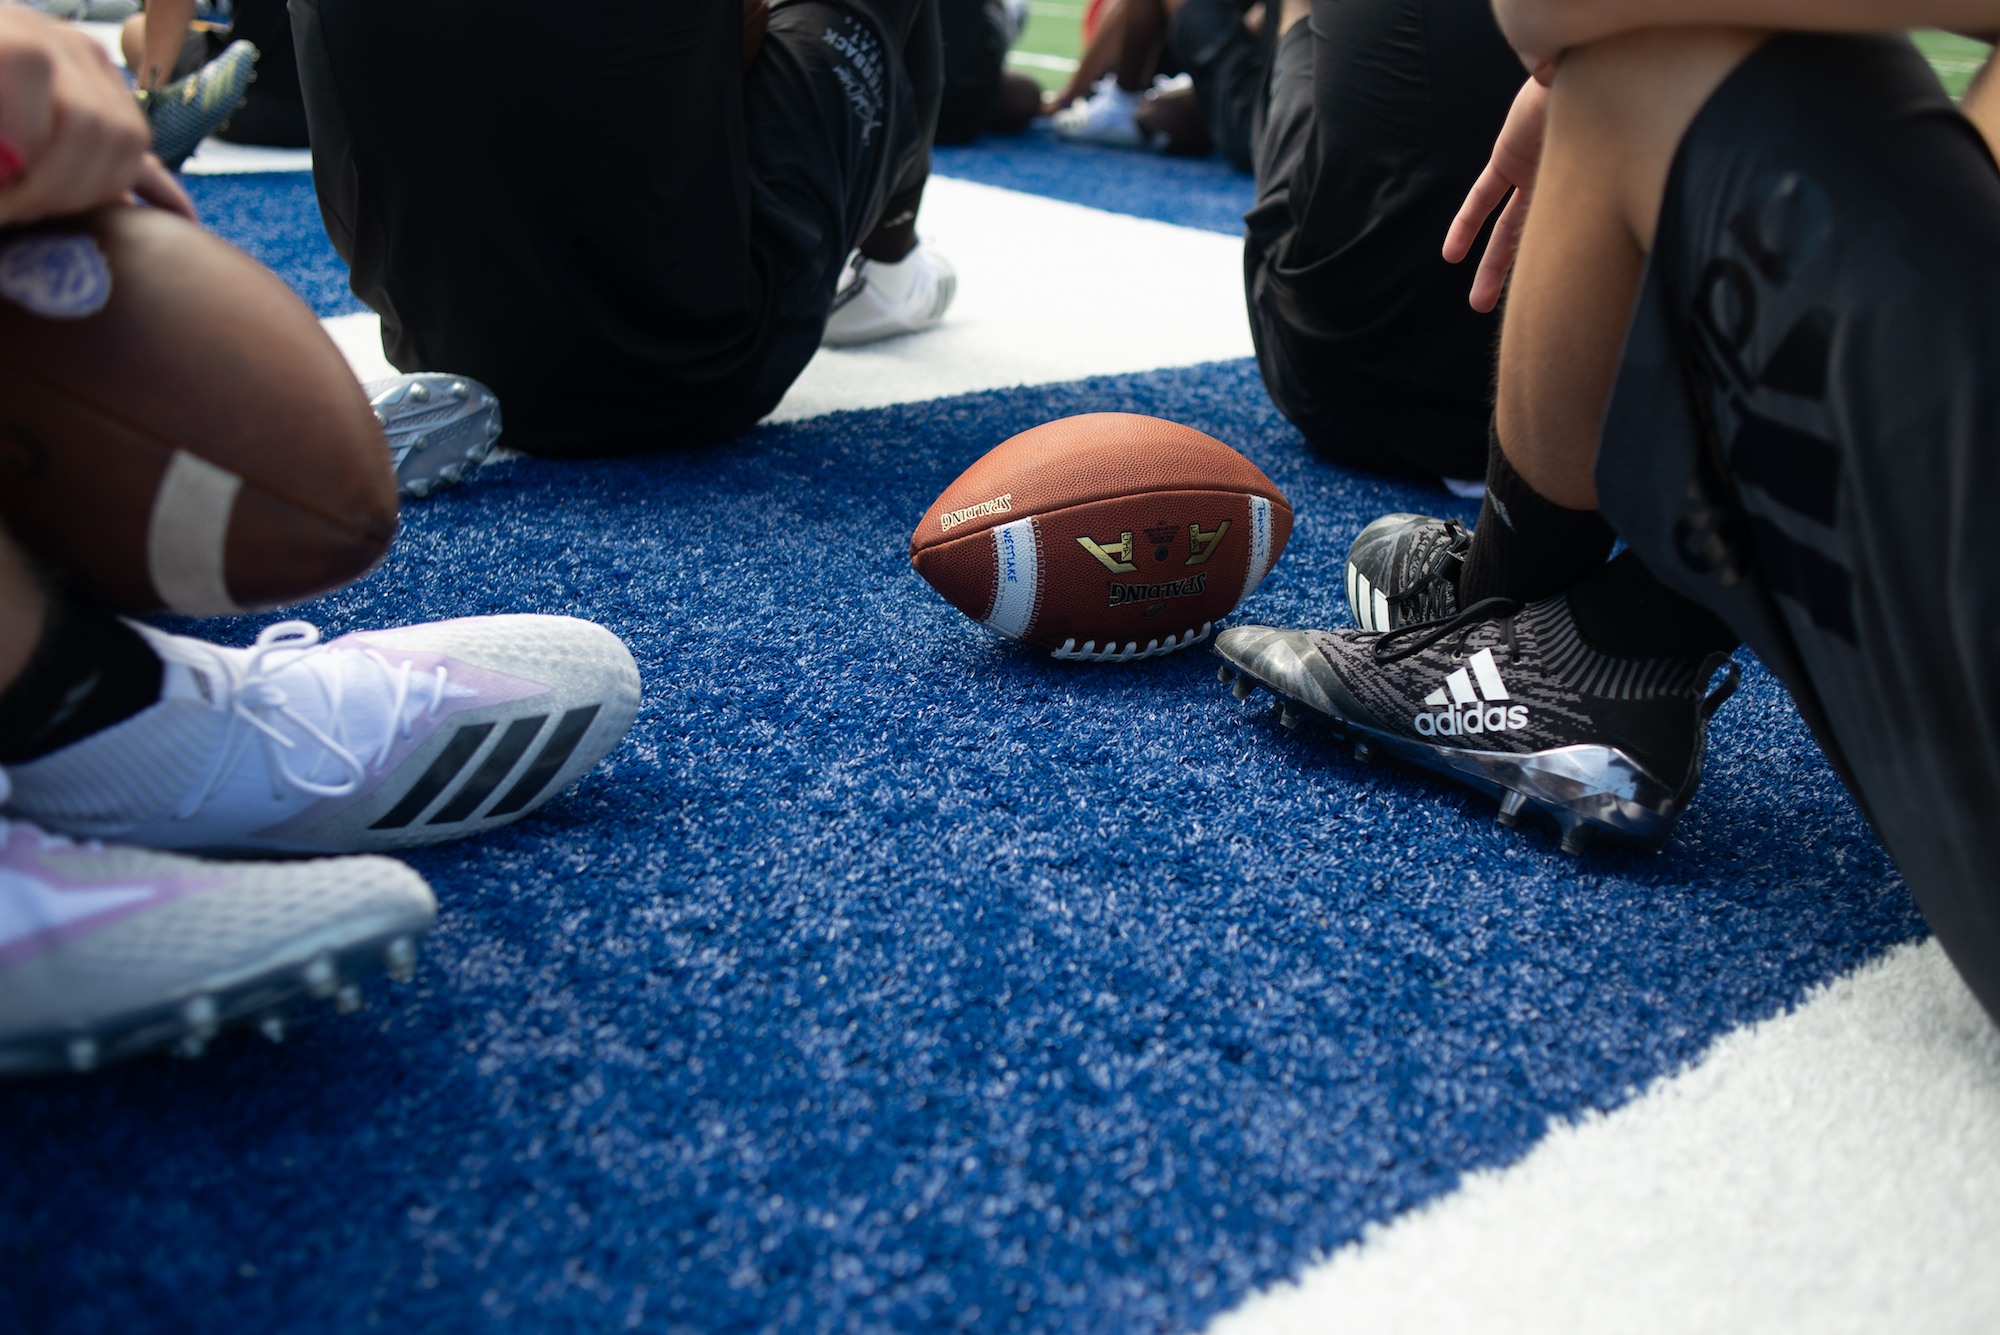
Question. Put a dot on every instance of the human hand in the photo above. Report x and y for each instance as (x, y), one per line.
(71, 136)
(1517, 154)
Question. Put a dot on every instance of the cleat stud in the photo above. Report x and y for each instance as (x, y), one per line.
(1511, 807)
(200, 1017)
(1363, 752)
(1243, 689)
(419, 443)
(418, 487)
(1286, 718)
(272, 1027)
(380, 420)
(190, 1048)
(1225, 674)
(460, 390)
(320, 978)
(420, 393)
(1575, 838)
(82, 1054)
(401, 959)
(348, 999)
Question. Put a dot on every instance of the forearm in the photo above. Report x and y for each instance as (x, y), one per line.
(1546, 28)
(166, 28)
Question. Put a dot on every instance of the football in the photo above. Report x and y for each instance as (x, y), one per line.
(1105, 537)
(176, 429)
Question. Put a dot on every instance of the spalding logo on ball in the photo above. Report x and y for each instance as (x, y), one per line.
(1105, 537)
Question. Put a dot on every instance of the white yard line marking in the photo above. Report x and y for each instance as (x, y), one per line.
(1834, 1169)
(1035, 60)
(1047, 292)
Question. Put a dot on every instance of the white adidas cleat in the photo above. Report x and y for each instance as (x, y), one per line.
(877, 301)
(377, 740)
(107, 951)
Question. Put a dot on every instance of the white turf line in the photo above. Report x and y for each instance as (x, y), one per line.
(1833, 1169)
(1047, 292)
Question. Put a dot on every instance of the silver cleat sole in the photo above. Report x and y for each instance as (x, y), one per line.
(439, 428)
(256, 997)
(1590, 792)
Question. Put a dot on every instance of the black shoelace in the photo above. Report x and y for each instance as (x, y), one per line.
(1423, 634)
(1432, 589)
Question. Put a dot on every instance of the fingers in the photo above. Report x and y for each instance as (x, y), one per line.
(1494, 265)
(1486, 195)
(27, 116)
(80, 138)
(162, 189)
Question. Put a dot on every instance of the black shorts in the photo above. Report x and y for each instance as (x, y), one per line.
(634, 242)
(975, 59)
(1805, 433)
(1226, 63)
(1379, 119)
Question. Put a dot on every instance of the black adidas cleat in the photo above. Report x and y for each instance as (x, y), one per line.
(439, 427)
(1403, 569)
(1509, 700)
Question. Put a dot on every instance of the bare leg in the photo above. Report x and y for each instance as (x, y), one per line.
(1145, 37)
(150, 49)
(1617, 112)
(23, 611)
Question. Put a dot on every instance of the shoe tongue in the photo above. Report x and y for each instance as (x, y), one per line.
(182, 680)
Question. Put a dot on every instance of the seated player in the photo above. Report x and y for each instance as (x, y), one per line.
(980, 94)
(115, 730)
(1749, 318)
(1378, 113)
(656, 264)
(1224, 47)
(163, 46)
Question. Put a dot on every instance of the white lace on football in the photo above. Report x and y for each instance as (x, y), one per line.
(258, 699)
(1113, 652)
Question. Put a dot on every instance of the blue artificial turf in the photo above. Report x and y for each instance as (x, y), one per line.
(1193, 192)
(893, 977)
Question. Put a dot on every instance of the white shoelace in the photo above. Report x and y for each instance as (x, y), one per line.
(256, 699)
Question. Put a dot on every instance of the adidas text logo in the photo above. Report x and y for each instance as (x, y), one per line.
(1468, 702)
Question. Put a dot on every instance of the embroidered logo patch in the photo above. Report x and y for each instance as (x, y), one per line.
(62, 276)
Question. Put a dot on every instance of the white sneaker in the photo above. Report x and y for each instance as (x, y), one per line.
(106, 951)
(377, 740)
(1108, 116)
(877, 300)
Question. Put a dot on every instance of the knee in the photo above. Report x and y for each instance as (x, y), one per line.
(1619, 107)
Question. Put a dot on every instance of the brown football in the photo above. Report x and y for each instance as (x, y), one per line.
(176, 429)
(1105, 537)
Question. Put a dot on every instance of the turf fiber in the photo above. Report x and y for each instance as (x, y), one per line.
(893, 977)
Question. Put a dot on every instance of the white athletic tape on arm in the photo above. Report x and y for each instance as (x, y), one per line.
(1260, 547)
(1019, 566)
(184, 545)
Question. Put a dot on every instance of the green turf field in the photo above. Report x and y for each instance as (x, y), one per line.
(1048, 49)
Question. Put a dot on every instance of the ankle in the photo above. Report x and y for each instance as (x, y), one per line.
(1527, 547)
(1622, 610)
(895, 236)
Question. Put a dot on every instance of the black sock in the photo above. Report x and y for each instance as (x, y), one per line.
(896, 235)
(1526, 546)
(89, 671)
(1621, 610)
